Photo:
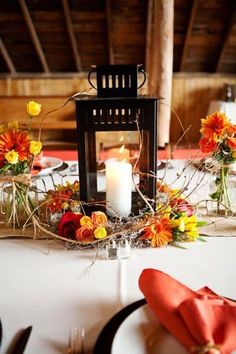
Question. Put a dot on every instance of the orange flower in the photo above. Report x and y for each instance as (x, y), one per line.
(85, 233)
(215, 125)
(162, 187)
(207, 145)
(99, 218)
(17, 141)
(231, 130)
(160, 232)
(231, 142)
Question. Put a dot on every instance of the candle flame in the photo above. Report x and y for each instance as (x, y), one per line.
(122, 149)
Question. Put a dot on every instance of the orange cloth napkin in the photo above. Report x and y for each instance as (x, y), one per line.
(202, 321)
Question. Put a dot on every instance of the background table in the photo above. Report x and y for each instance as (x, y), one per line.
(52, 288)
(229, 108)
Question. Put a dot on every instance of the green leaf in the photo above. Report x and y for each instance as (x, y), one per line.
(215, 195)
(201, 223)
(174, 244)
(201, 239)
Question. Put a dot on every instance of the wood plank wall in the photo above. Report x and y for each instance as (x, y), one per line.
(190, 99)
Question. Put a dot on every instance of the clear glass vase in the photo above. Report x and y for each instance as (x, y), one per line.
(17, 204)
(222, 190)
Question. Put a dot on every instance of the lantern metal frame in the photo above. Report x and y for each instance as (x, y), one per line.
(112, 114)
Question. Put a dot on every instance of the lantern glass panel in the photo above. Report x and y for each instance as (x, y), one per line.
(121, 145)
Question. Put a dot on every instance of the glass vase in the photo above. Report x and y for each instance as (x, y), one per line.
(222, 190)
(17, 204)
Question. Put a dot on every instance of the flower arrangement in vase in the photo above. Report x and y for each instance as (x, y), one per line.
(17, 154)
(219, 139)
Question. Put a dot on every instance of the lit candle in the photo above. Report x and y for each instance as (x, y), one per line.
(118, 188)
(120, 154)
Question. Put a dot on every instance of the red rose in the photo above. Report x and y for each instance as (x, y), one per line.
(85, 233)
(68, 225)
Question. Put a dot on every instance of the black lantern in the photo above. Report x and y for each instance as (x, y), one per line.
(117, 110)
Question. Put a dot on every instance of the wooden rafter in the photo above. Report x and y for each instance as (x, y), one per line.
(109, 33)
(225, 42)
(188, 34)
(7, 58)
(34, 35)
(71, 34)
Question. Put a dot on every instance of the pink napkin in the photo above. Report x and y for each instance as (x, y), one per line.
(202, 321)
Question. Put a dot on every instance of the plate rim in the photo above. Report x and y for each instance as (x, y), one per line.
(48, 169)
(105, 338)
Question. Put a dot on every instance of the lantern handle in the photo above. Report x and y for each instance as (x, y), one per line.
(141, 70)
(93, 69)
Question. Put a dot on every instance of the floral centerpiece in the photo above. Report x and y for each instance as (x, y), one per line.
(219, 139)
(17, 154)
(168, 219)
(172, 222)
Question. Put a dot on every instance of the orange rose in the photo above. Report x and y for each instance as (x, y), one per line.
(85, 233)
(99, 218)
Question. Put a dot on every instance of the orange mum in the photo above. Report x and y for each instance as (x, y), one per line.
(215, 125)
(17, 141)
(160, 232)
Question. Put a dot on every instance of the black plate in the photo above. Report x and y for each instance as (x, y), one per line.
(104, 342)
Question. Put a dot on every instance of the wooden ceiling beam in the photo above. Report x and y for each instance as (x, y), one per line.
(225, 41)
(7, 57)
(188, 34)
(71, 33)
(33, 34)
(109, 33)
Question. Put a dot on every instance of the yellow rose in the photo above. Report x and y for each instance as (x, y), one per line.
(86, 220)
(33, 108)
(13, 125)
(100, 232)
(12, 157)
(35, 147)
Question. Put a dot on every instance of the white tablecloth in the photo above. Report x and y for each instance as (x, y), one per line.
(229, 108)
(44, 285)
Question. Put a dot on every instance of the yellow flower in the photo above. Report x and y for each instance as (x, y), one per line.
(35, 147)
(176, 193)
(13, 125)
(86, 220)
(12, 157)
(187, 225)
(33, 108)
(163, 209)
(100, 232)
(234, 154)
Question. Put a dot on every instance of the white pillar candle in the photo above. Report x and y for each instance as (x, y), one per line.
(118, 188)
